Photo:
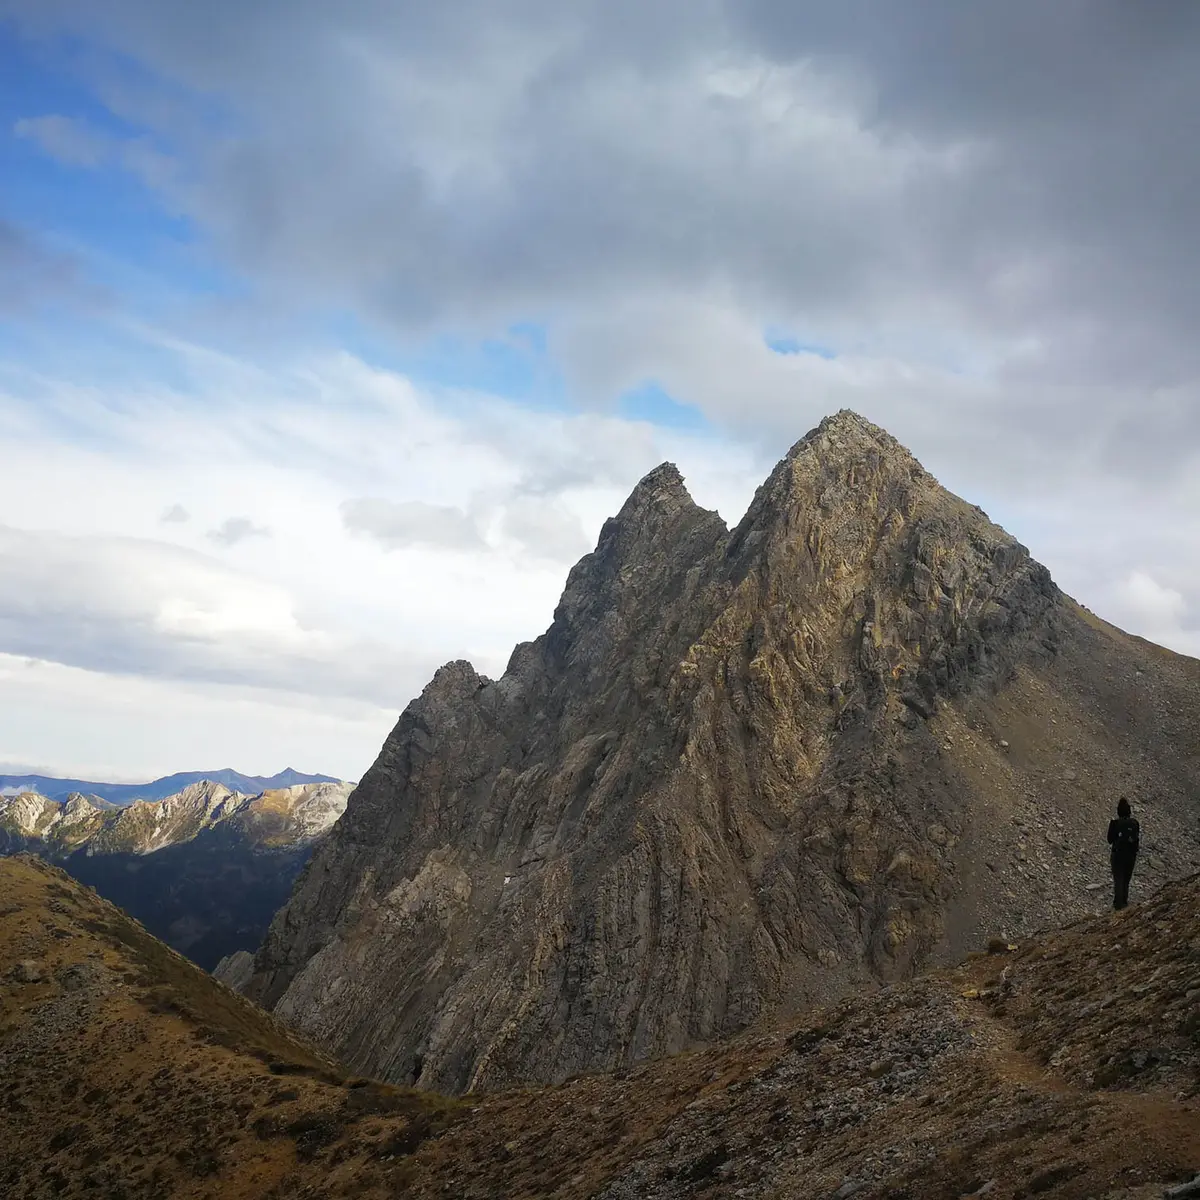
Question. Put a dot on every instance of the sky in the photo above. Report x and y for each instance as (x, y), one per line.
(330, 334)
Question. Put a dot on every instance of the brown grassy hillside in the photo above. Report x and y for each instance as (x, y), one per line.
(126, 1072)
(1067, 1068)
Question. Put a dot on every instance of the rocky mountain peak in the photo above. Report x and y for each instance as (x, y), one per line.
(845, 471)
(741, 773)
(26, 813)
(204, 793)
(302, 811)
(846, 429)
(78, 807)
(658, 509)
(656, 545)
(662, 488)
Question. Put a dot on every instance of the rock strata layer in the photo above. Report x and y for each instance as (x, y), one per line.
(744, 772)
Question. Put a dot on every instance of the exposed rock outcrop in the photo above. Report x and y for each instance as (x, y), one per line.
(235, 970)
(742, 773)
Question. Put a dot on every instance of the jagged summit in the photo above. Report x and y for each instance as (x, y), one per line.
(658, 500)
(642, 553)
(664, 484)
(847, 424)
(825, 467)
(742, 773)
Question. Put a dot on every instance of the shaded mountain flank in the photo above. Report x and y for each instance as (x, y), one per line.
(205, 869)
(743, 773)
(157, 789)
(1065, 1067)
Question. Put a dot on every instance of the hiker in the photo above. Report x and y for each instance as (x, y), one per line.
(1123, 838)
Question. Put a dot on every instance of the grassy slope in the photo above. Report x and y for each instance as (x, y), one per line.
(127, 1072)
(1069, 1068)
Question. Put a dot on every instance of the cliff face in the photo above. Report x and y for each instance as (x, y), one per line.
(741, 773)
(205, 869)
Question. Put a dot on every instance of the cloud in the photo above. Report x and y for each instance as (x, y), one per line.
(396, 524)
(850, 146)
(1142, 604)
(75, 143)
(544, 529)
(71, 142)
(529, 524)
(317, 618)
(175, 515)
(33, 271)
(65, 721)
(999, 240)
(137, 607)
(1150, 602)
(233, 530)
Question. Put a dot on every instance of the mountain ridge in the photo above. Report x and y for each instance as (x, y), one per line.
(743, 772)
(279, 816)
(56, 788)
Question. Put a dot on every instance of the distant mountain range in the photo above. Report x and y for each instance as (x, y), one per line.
(204, 868)
(158, 789)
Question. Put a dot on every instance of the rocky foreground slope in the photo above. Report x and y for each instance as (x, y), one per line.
(205, 868)
(1068, 1067)
(744, 772)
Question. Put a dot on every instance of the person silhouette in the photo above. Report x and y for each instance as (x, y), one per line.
(1123, 833)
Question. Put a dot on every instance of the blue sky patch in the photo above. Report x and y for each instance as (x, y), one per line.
(786, 343)
(650, 402)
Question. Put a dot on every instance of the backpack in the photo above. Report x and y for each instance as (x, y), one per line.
(1125, 835)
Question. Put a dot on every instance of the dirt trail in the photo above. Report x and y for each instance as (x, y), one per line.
(998, 1042)
(1149, 1114)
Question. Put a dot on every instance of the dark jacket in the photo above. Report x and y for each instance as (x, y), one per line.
(1123, 837)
